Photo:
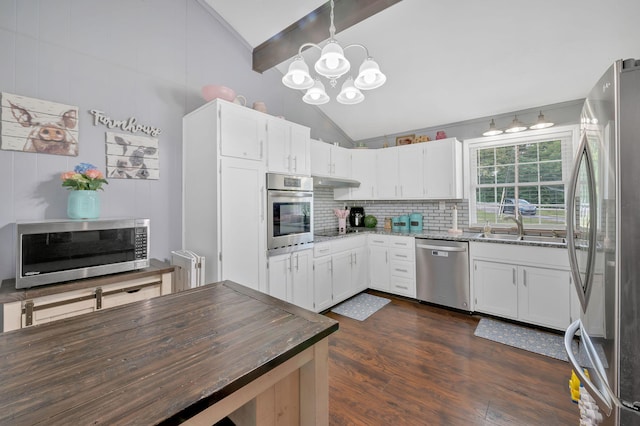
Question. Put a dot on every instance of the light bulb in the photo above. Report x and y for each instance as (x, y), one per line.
(350, 94)
(315, 96)
(297, 78)
(332, 62)
(369, 78)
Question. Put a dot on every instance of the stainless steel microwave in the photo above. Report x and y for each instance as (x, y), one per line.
(55, 251)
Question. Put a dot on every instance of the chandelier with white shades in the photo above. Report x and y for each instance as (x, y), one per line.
(333, 64)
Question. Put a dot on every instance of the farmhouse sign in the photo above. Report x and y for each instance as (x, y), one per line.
(129, 125)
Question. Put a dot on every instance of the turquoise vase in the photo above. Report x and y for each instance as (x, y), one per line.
(83, 205)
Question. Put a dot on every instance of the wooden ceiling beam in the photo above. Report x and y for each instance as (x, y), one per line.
(314, 28)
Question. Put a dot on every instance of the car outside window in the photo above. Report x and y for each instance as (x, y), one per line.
(528, 171)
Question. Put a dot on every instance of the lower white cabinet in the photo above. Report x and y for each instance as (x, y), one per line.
(290, 278)
(525, 283)
(340, 270)
(392, 264)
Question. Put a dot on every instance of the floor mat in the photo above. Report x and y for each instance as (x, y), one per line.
(361, 306)
(529, 339)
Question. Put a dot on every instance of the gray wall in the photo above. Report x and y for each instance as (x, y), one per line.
(130, 58)
(564, 113)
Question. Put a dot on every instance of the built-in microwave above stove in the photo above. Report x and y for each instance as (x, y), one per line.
(289, 211)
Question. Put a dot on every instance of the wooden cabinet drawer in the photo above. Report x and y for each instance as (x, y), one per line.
(58, 312)
(123, 297)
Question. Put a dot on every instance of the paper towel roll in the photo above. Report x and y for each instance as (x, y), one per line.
(455, 218)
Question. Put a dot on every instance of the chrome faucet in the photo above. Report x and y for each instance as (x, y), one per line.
(518, 220)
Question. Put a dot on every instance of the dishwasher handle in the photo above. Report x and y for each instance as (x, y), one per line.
(441, 248)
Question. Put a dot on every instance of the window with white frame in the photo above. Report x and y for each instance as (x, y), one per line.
(525, 174)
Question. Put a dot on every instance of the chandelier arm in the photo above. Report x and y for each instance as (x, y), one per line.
(308, 45)
(366, 51)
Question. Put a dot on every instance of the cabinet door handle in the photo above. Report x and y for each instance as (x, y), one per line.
(524, 277)
(262, 204)
(261, 144)
(297, 262)
(290, 263)
(355, 258)
(386, 257)
(295, 163)
(514, 275)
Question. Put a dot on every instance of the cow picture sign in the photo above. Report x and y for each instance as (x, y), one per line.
(132, 157)
(34, 125)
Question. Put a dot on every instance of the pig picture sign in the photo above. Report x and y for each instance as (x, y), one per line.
(34, 125)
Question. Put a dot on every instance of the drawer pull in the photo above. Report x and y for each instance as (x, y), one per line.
(401, 270)
(402, 255)
(404, 287)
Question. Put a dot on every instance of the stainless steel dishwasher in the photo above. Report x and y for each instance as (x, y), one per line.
(442, 272)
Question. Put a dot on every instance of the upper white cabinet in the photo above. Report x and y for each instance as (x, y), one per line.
(423, 171)
(288, 147)
(442, 169)
(329, 160)
(363, 170)
(224, 207)
(242, 131)
(387, 174)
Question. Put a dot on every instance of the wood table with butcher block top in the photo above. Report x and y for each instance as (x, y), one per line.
(193, 357)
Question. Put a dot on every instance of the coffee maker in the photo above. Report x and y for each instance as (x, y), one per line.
(356, 217)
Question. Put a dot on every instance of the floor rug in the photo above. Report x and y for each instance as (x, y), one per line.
(529, 339)
(361, 306)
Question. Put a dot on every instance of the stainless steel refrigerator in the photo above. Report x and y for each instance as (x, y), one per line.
(603, 235)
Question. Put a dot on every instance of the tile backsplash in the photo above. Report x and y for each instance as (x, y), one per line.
(433, 217)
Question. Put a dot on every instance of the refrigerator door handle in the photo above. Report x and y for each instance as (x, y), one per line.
(583, 289)
(603, 401)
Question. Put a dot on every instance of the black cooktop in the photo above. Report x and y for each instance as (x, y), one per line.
(335, 233)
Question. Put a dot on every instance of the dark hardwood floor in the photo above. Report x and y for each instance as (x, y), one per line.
(415, 364)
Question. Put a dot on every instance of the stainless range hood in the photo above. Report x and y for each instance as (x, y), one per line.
(334, 182)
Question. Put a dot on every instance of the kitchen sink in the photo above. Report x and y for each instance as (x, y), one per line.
(508, 237)
(524, 238)
(544, 239)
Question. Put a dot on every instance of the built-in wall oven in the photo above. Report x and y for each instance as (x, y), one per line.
(289, 212)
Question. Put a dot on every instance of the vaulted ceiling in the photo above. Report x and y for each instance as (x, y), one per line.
(452, 61)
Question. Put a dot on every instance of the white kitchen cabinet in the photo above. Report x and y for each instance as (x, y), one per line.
(496, 288)
(363, 170)
(442, 166)
(387, 174)
(392, 264)
(410, 171)
(341, 277)
(290, 278)
(526, 283)
(534, 304)
(322, 283)
(379, 262)
(224, 197)
(329, 160)
(340, 270)
(242, 131)
(288, 147)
